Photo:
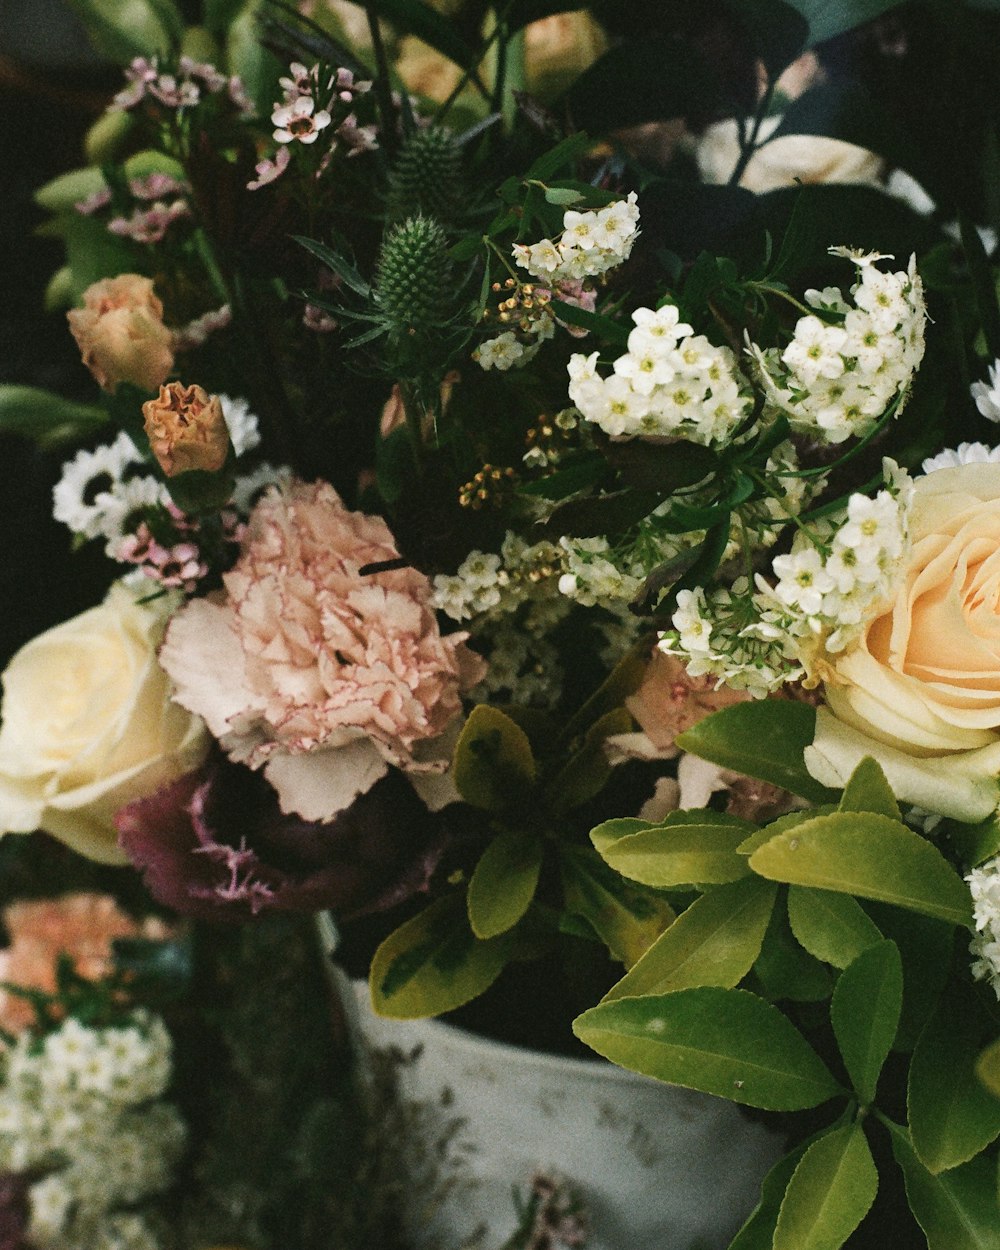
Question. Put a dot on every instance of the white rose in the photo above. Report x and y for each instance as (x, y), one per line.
(785, 161)
(920, 690)
(88, 726)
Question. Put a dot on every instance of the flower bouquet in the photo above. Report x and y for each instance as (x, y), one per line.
(560, 551)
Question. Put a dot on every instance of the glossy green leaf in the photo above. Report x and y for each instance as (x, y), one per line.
(758, 1231)
(952, 1115)
(988, 1068)
(827, 20)
(722, 1041)
(681, 854)
(433, 963)
(628, 918)
(601, 514)
(957, 1210)
(611, 831)
(833, 927)
(45, 417)
(830, 1192)
(974, 844)
(660, 467)
(714, 942)
(870, 856)
(926, 947)
(763, 739)
(588, 769)
(868, 791)
(494, 767)
(865, 1011)
(789, 821)
(504, 882)
(786, 970)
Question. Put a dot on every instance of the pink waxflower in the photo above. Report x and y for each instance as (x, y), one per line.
(317, 666)
(270, 171)
(150, 225)
(299, 120)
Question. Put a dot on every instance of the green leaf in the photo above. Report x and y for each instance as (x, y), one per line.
(714, 942)
(927, 949)
(833, 927)
(588, 769)
(344, 270)
(952, 1116)
(786, 971)
(681, 854)
(988, 1068)
(789, 821)
(868, 791)
(610, 331)
(660, 467)
(974, 844)
(45, 417)
(777, 31)
(627, 918)
(433, 963)
(871, 856)
(494, 767)
(958, 1209)
(611, 831)
(504, 882)
(721, 1041)
(666, 78)
(600, 514)
(61, 193)
(830, 1193)
(864, 1012)
(762, 739)
(827, 20)
(624, 679)
(758, 1231)
(123, 29)
(562, 156)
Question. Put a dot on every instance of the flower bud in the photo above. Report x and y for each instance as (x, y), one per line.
(186, 429)
(120, 333)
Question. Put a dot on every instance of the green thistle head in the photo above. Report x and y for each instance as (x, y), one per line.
(414, 283)
(427, 176)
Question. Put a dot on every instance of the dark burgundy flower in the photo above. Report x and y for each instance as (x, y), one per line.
(215, 845)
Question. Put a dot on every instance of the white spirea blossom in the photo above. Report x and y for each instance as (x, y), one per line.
(818, 599)
(84, 1109)
(984, 883)
(591, 243)
(851, 358)
(671, 381)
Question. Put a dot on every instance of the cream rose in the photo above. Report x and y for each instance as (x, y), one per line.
(920, 690)
(88, 726)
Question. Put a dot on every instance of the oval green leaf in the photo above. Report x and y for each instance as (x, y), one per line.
(504, 882)
(714, 942)
(830, 1193)
(434, 963)
(494, 767)
(720, 1041)
(681, 854)
(871, 856)
(952, 1116)
(627, 917)
(868, 791)
(864, 1012)
(833, 927)
(958, 1209)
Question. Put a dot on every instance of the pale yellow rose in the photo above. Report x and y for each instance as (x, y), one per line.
(88, 725)
(786, 161)
(920, 690)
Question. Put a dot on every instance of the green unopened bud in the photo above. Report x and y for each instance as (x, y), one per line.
(107, 137)
(414, 283)
(427, 176)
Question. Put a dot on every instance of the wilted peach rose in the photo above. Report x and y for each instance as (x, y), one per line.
(82, 926)
(319, 673)
(120, 333)
(186, 429)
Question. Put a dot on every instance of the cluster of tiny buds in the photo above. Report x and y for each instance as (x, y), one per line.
(488, 487)
(521, 307)
(549, 437)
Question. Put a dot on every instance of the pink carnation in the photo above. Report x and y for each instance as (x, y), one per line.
(317, 672)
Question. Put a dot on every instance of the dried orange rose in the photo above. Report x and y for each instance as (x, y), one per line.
(186, 429)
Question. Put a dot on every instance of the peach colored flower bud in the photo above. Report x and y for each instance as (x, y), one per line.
(186, 429)
(120, 333)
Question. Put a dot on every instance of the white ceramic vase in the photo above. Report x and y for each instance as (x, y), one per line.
(658, 1167)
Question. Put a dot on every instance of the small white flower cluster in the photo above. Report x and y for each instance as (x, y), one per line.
(83, 1108)
(508, 351)
(101, 493)
(591, 243)
(488, 583)
(670, 382)
(848, 361)
(592, 578)
(824, 591)
(984, 883)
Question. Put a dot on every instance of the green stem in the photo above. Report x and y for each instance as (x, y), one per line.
(383, 85)
(748, 142)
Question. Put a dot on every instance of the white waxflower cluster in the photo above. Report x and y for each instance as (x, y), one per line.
(984, 883)
(822, 594)
(670, 382)
(851, 358)
(591, 243)
(83, 1109)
